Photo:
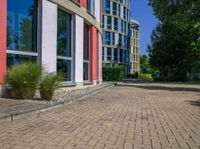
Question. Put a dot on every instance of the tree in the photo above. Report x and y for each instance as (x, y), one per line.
(175, 49)
(144, 65)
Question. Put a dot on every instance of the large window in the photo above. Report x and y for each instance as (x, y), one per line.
(125, 13)
(113, 38)
(90, 6)
(103, 54)
(64, 52)
(125, 41)
(115, 54)
(107, 6)
(114, 8)
(109, 22)
(119, 10)
(116, 24)
(122, 26)
(86, 53)
(18, 58)
(108, 37)
(109, 54)
(121, 55)
(21, 31)
(120, 40)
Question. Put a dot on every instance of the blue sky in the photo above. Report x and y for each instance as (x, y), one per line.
(143, 13)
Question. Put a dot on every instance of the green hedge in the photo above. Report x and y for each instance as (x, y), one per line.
(145, 76)
(113, 73)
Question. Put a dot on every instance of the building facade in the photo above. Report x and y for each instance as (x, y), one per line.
(61, 35)
(135, 46)
(116, 25)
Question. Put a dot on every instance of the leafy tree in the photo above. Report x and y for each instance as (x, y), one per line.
(175, 49)
(144, 65)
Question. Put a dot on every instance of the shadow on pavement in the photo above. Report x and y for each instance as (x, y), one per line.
(173, 89)
(194, 103)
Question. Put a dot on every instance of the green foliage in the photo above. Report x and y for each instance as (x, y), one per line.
(194, 77)
(175, 48)
(135, 74)
(113, 73)
(23, 79)
(162, 79)
(145, 67)
(145, 76)
(49, 83)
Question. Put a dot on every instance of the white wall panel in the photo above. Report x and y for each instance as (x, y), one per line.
(79, 35)
(49, 35)
(98, 10)
(100, 58)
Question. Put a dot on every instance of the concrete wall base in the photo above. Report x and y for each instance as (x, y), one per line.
(79, 85)
(1, 90)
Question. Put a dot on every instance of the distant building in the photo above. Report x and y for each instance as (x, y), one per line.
(116, 26)
(135, 46)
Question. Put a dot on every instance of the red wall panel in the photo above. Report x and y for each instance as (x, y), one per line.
(83, 3)
(3, 28)
(93, 53)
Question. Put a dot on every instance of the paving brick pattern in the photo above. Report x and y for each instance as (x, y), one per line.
(116, 118)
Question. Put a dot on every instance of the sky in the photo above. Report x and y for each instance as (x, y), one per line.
(143, 13)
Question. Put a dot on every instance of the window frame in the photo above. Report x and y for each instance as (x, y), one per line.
(60, 57)
(84, 60)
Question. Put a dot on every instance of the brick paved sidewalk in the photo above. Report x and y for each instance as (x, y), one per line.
(117, 118)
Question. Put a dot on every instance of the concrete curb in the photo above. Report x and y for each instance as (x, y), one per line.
(15, 116)
(127, 84)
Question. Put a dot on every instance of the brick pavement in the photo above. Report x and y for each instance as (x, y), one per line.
(116, 118)
(9, 108)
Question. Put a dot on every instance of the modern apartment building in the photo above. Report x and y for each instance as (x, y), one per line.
(116, 26)
(62, 35)
(135, 46)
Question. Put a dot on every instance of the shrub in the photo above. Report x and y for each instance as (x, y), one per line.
(49, 83)
(23, 79)
(145, 76)
(129, 76)
(113, 73)
(135, 74)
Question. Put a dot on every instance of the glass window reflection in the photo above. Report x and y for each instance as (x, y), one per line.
(64, 66)
(64, 52)
(21, 25)
(13, 59)
(64, 34)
